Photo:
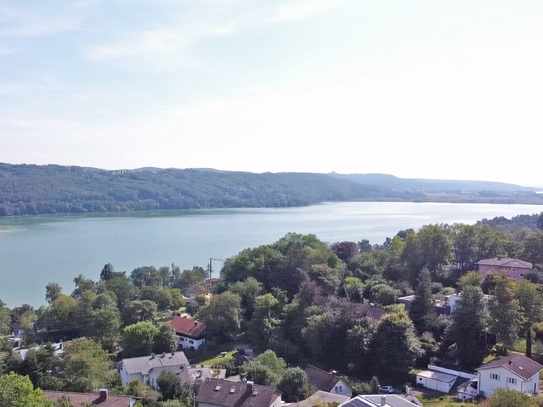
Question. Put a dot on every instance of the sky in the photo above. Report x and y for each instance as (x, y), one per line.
(443, 89)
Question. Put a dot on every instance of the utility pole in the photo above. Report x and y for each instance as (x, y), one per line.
(211, 259)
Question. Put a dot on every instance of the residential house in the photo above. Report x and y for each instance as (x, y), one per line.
(102, 399)
(327, 381)
(516, 372)
(381, 400)
(224, 393)
(319, 398)
(516, 269)
(145, 368)
(191, 334)
(56, 349)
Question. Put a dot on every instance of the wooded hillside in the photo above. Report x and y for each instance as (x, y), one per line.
(51, 189)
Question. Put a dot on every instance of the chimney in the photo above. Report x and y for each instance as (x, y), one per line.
(103, 395)
(152, 355)
(250, 385)
(383, 400)
(163, 354)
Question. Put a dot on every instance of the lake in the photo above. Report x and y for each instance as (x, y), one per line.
(42, 249)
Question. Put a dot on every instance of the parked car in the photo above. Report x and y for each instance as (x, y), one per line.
(386, 389)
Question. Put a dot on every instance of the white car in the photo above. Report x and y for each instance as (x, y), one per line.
(386, 389)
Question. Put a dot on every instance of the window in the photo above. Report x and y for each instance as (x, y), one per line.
(191, 341)
(495, 376)
(511, 380)
(340, 388)
(335, 389)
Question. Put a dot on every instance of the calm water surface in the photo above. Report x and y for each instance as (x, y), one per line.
(42, 249)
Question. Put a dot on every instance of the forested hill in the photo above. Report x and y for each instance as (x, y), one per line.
(31, 189)
(52, 189)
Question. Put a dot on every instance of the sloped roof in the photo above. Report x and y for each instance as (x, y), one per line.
(76, 399)
(505, 262)
(144, 364)
(374, 400)
(321, 397)
(188, 327)
(520, 365)
(321, 379)
(220, 392)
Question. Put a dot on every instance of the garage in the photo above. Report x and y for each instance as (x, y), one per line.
(438, 381)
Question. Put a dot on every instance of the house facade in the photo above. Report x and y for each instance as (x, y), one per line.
(328, 381)
(515, 268)
(516, 372)
(224, 393)
(144, 369)
(191, 334)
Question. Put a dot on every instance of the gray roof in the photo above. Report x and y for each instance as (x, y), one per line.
(520, 365)
(144, 364)
(505, 262)
(374, 400)
(321, 397)
(192, 374)
(230, 394)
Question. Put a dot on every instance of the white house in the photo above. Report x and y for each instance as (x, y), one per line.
(516, 372)
(327, 381)
(190, 333)
(144, 368)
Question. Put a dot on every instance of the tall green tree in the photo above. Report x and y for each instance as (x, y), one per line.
(530, 299)
(165, 340)
(138, 339)
(422, 311)
(467, 333)
(506, 318)
(169, 385)
(52, 292)
(86, 367)
(394, 347)
(222, 316)
(294, 385)
(18, 391)
(5, 319)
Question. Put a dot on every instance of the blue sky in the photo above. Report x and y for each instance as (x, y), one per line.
(417, 89)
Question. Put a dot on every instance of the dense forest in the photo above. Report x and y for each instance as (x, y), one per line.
(53, 189)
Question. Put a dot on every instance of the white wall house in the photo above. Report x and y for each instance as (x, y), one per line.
(191, 334)
(141, 368)
(516, 372)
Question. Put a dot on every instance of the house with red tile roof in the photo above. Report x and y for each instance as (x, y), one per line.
(190, 333)
(327, 381)
(101, 399)
(515, 268)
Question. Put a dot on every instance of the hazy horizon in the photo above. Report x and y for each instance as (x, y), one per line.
(444, 89)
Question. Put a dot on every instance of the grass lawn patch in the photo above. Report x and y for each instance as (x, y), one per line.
(213, 358)
(443, 400)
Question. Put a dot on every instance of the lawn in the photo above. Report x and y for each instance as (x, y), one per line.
(441, 400)
(212, 358)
